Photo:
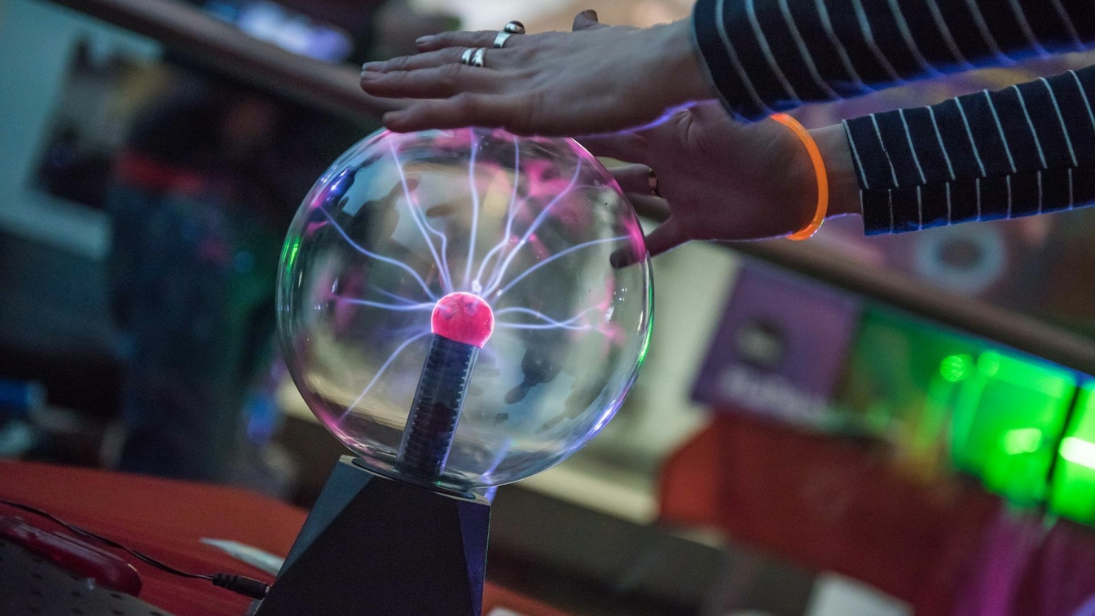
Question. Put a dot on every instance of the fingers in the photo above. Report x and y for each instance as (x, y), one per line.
(439, 82)
(649, 206)
(483, 38)
(377, 104)
(624, 257)
(633, 179)
(587, 20)
(628, 147)
(665, 238)
(459, 111)
(430, 59)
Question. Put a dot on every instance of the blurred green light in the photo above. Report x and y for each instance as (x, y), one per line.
(954, 368)
(1073, 493)
(1078, 451)
(1007, 412)
(989, 363)
(1022, 440)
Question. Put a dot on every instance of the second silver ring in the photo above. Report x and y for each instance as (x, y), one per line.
(474, 57)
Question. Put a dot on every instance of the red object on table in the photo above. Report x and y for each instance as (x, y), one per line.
(71, 554)
(165, 519)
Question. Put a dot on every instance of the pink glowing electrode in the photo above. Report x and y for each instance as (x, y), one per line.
(463, 317)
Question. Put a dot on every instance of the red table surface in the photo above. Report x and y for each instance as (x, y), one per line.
(165, 519)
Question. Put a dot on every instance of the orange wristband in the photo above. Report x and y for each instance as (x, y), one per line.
(819, 169)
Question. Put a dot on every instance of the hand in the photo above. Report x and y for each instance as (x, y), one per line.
(596, 79)
(721, 180)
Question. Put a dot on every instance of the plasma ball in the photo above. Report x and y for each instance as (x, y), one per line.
(463, 317)
(413, 250)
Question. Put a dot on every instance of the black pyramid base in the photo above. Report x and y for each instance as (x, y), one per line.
(373, 545)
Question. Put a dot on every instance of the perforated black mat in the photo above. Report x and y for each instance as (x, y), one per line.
(33, 586)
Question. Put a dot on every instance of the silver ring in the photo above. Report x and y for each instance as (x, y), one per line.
(514, 27)
(465, 58)
(478, 57)
(500, 40)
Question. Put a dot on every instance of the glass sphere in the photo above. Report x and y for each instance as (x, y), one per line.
(523, 248)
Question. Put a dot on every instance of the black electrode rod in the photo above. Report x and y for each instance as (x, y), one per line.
(435, 411)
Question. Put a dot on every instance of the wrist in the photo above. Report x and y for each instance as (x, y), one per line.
(843, 184)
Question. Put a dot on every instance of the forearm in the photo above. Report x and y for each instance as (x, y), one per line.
(912, 208)
(1023, 150)
(772, 55)
(1026, 150)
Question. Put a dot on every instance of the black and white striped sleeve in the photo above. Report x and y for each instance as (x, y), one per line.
(773, 55)
(1024, 150)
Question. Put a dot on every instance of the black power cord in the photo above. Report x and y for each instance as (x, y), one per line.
(238, 584)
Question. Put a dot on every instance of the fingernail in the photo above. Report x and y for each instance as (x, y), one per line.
(370, 75)
(592, 14)
(371, 66)
(621, 258)
(422, 40)
(390, 120)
